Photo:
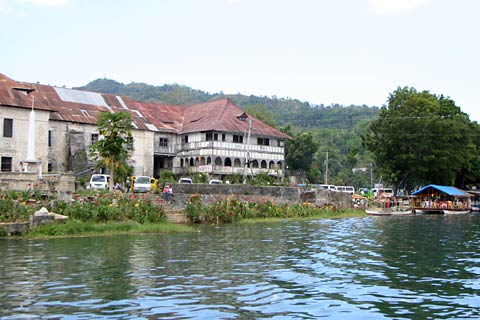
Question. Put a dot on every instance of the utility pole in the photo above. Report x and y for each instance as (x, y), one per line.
(326, 170)
(371, 175)
(247, 152)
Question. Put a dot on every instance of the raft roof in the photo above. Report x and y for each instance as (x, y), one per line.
(448, 190)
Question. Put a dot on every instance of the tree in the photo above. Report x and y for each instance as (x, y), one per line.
(300, 150)
(421, 138)
(261, 112)
(115, 143)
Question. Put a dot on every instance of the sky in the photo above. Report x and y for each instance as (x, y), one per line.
(320, 51)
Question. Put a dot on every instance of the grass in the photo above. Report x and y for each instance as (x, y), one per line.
(322, 214)
(86, 229)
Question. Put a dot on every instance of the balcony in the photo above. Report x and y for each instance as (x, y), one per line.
(227, 146)
(223, 170)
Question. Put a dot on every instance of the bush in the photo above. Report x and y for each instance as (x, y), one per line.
(108, 208)
(14, 211)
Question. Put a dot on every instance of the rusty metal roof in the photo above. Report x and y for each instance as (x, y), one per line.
(84, 107)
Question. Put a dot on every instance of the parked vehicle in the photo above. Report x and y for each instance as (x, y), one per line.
(329, 187)
(99, 181)
(348, 189)
(185, 180)
(215, 181)
(382, 192)
(142, 184)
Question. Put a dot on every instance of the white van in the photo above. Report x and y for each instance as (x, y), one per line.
(142, 184)
(329, 187)
(185, 180)
(382, 192)
(348, 189)
(99, 181)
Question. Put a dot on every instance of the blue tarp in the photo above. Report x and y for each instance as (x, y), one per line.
(451, 191)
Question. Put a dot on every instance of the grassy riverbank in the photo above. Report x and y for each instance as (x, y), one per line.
(86, 229)
(106, 214)
(321, 214)
(230, 209)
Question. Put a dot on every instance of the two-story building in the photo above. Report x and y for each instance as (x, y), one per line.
(216, 137)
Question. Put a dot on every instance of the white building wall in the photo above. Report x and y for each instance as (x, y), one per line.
(142, 156)
(17, 146)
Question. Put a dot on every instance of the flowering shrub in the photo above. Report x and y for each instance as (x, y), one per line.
(14, 211)
(230, 209)
(113, 208)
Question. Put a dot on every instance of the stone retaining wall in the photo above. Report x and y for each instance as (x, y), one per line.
(61, 184)
(210, 193)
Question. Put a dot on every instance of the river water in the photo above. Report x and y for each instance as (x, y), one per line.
(418, 267)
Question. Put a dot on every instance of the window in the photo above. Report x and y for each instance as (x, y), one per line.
(94, 138)
(6, 164)
(211, 136)
(280, 143)
(237, 138)
(163, 142)
(50, 167)
(8, 128)
(49, 138)
(185, 139)
(263, 141)
(223, 137)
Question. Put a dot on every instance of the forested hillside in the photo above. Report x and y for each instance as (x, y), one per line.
(335, 128)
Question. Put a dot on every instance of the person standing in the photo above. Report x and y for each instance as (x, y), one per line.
(127, 184)
(170, 193)
(165, 193)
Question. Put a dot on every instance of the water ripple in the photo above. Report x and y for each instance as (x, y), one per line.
(386, 268)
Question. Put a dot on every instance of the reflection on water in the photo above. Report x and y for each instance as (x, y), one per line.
(417, 267)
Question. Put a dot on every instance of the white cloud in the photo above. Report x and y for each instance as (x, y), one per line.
(390, 6)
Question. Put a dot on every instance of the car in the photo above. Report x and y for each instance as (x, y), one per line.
(142, 184)
(185, 180)
(99, 181)
(215, 181)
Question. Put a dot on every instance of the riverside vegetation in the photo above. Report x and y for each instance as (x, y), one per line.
(113, 213)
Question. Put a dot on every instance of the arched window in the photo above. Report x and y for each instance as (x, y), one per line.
(254, 164)
(263, 164)
(280, 165)
(181, 163)
(209, 160)
(228, 162)
(218, 161)
(271, 165)
(237, 163)
(192, 162)
(202, 161)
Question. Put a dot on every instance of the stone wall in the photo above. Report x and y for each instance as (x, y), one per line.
(293, 195)
(61, 184)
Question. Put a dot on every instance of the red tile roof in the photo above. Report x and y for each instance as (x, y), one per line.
(84, 107)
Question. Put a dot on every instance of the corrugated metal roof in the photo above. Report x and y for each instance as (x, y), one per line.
(451, 191)
(85, 107)
(77, 96)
